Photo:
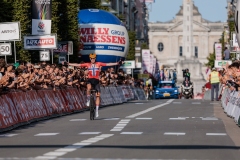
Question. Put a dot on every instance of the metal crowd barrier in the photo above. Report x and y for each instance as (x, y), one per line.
(230, 102)
(18, 108)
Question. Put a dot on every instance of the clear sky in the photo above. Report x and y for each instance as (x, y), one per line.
(165, 10)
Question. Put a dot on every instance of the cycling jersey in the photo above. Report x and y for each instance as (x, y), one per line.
(93, 69)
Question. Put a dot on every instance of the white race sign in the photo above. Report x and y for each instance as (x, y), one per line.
(44, 56)
(10, 31)
(5, 49)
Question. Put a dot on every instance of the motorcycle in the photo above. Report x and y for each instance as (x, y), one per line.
(187, 91)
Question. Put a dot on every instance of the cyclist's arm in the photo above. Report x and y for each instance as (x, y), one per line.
(78, 65)
(111, 64)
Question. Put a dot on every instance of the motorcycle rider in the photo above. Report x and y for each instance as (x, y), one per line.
(187, 83)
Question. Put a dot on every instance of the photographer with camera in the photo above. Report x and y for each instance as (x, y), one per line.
(186, 74)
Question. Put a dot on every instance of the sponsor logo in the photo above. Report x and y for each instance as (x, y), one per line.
(9, 31)
(102, 35)
(41, 25)
(40, 42)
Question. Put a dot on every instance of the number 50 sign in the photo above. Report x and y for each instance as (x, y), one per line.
(5, 49)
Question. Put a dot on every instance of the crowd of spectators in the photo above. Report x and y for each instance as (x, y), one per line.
(26, 76)
(230, 76)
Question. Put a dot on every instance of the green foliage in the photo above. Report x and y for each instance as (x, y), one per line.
(87, 4)
(211, 60)
(21, 12)
(6, 9)
(131, 52)
(144, 46)
(231, 26)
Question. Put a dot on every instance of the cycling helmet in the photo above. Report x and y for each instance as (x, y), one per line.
(92, 55)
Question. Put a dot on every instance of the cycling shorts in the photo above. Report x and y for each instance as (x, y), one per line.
(95, 84)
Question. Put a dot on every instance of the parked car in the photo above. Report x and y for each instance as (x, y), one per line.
(166, 89)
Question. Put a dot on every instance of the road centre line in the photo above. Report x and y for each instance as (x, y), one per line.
(143, 118)
(8, 135)
(216, 134)
(177, 118)
(87, 133)
(131, 133)
(174, 133)
(46, 134)
(76, 120)
(150, 109)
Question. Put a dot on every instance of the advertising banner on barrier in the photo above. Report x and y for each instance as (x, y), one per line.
(41, 17)
(10, 31)
(40, 42)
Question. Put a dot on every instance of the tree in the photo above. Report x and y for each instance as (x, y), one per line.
(68, 24)
(21, 12)
(87, 4)
(144, 46)
(6, 9)
(131, 52)
(211, 60)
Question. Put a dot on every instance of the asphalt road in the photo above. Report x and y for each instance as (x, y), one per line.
(158, 129)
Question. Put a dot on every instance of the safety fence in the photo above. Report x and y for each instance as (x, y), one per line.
(230, 101)
(19, 108)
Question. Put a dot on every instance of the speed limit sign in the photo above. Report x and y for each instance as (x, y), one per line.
(44, 56)
(5, 49)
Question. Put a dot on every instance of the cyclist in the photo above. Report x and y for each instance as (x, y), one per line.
(93, 77)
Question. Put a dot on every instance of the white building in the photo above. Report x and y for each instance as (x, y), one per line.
(185, 41)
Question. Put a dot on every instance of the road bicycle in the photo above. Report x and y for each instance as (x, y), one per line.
(92, 104)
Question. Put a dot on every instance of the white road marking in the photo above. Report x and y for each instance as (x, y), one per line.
(45, 157)
(209, 119)
(143, 118)
(196, 102)
(177, 118)
(8, 135)
(121, 124)
(87, 133)
(66, 150)
(214, 103)
(216, 134)
(174, 133)
(177, 102)
(73, 147)
(46, 134)
(76, 120)
(109, 119)
(55, 154)
(132, 133)
(150, 109)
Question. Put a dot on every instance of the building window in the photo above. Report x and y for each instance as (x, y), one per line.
(188, 28)
(180, 51)
(160, 47)
(187, 38)
(188, 18)
(188, 48)
(188, 8)
(196, 51)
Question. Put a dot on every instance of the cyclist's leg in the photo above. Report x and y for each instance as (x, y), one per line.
(97, 88)
(89, 87)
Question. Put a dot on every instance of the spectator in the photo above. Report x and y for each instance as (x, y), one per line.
(214, 78)
(226, 54)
